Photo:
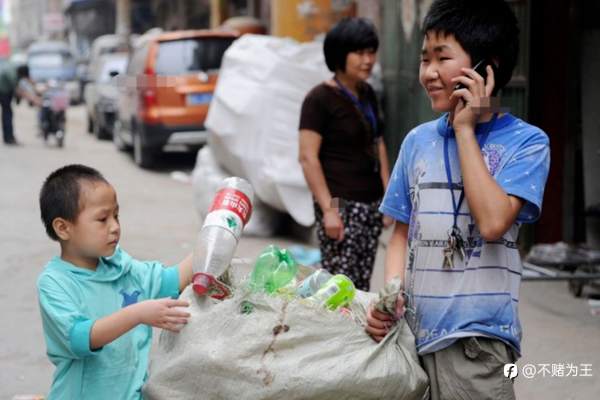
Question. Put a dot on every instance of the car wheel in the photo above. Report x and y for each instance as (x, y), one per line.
(90, 127)
(118, 139)
(144, 157)
(99, 131)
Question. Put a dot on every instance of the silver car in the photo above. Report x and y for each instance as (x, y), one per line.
(101, 94)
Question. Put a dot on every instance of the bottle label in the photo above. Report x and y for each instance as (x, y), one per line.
(234, 201)
(225, 219)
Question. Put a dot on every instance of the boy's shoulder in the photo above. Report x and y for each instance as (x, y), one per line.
(58, 271)
(525, 131)
(55, 274)
(426, 131)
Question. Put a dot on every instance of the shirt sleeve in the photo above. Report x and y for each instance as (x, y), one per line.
(66, 328)
(525, 175)
(396, 201)
(312, 114)
(157, 280)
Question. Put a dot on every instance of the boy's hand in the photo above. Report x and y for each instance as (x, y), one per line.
(163, 313)
(380, 323)
(476, 98)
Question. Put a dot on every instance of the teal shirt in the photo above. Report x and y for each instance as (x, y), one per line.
(72, 299)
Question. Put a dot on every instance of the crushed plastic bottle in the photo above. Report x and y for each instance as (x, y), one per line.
(312, 283)
(338, 292)
(229, 213)
(275, 268)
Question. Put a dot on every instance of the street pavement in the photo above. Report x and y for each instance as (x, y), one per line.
(159, 221)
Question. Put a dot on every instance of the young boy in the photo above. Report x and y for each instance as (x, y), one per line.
(98, 304)
(459, 259)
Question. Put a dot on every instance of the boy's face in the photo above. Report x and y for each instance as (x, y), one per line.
(96, 231)
(442, 58)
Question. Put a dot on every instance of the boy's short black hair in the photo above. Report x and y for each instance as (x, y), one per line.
(485, 30)
(22, 71)
(60, 194)
(348, 35)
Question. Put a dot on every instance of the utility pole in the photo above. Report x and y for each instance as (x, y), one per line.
(123, 17)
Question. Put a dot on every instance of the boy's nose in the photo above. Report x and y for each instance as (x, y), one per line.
(431, 72)
(115, 227)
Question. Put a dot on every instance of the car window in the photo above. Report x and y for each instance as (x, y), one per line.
(47, 60)
(177, 57)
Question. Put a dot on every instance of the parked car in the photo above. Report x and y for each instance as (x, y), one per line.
(101, 94)
(102, 45)
(174, 76)
(53, 60)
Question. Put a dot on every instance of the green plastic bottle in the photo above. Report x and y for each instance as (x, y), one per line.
(338, 292)
(274, 269)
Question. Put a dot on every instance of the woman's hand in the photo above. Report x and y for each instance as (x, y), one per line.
(475, 98)
(333, 224)
(163, 313)
(380, 323)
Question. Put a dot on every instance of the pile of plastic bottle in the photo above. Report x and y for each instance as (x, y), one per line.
(275, 272)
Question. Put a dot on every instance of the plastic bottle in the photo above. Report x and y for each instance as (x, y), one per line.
(312, 283)
(338, 292)
(274, 269)
(229, 213)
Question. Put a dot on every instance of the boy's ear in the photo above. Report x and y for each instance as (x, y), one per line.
(62, 228)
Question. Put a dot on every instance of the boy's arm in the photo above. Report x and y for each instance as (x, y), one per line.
(395, 254)
(378, 323)
(161, 313)
(185, 272)
(492, 208)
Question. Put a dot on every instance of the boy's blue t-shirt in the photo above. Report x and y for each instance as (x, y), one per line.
(71, 299)
(479, 296)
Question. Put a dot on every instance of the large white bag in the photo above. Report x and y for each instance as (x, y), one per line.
(254, 116)
(283, 349)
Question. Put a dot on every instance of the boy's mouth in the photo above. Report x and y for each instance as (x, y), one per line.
(434, 89)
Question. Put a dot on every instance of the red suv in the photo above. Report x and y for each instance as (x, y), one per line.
(170, 80)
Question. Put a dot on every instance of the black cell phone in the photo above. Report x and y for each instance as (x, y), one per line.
(480, 68)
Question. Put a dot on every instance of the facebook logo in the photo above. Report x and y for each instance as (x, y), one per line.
(511, 371)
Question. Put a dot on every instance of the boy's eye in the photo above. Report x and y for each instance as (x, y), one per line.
(444, 58)
(102, 219)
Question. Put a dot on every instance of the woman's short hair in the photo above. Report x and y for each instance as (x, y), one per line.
(348, 35)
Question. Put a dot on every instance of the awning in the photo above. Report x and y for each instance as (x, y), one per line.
(72, 5)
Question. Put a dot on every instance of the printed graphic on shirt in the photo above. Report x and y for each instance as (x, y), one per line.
(129, 299)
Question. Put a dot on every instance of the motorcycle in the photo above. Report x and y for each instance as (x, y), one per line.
(55, 100)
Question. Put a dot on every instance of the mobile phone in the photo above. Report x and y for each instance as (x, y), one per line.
(480, 68)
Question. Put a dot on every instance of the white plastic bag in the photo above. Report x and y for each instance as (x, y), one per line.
(282, 350)
(254, 117)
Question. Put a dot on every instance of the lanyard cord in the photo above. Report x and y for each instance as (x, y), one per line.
(365, 107)
(481, 141)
